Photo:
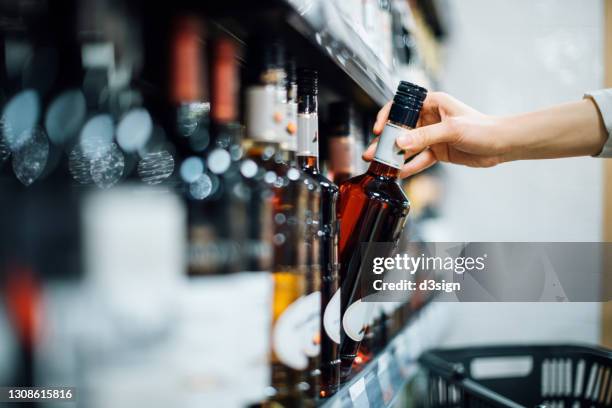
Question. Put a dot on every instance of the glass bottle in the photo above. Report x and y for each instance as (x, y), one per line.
(188, 86)
(188, 115)
(294, 303)
(222, 158)
(372, 208)
(261, 161)
(324, 246)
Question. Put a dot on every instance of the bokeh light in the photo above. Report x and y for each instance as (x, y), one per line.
(155, 167)
(20, 114)
(219, 161)
(107, 169)
(65, 116)
(134, 130)
(30, 158)
(191, 169)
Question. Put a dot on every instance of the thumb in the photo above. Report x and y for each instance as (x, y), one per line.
(420, 138)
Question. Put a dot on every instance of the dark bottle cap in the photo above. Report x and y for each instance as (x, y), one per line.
(340, 114)
(265, 51)
(290, 68)
(272, 54)
(407, 104)
(308, 81)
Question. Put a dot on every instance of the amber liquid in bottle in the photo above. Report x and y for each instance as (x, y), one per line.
(261, 162)
(324, 249)
(372, 208)
(291, 191)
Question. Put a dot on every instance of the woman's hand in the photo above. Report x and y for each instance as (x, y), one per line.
(447, 131)
(450, 131)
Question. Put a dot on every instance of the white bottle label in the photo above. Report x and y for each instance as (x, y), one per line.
(331, 318)
(296, 332)
(355, 319)
(308, 134)
(262, 114)
(292, 126)
(387, 151)
(311, 328)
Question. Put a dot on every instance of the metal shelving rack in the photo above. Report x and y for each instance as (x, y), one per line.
(332, 34)
(382, 380)
(322, 34)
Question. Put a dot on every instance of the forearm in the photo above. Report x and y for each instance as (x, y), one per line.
(571, 129)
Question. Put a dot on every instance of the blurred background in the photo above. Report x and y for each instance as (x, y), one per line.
(523, 56)
(128, 198)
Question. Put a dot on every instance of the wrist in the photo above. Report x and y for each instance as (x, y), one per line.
(506, 138)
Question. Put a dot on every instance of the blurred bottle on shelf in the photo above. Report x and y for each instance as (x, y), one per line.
(262, 160)
(295, 301)
(189, 91)
(290, 120)
(201, 161)
(324, 235)
(225, 84)
(372, 208)
(230, 211)
(341, 142)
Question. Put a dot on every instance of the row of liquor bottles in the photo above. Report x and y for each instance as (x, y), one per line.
(257, 200)
(273, 212)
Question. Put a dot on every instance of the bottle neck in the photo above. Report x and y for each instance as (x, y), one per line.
(383, 170)
(186, 62)
(388, 152)
(308, 132)
(224, 81)
(289, 156)
(307, 104)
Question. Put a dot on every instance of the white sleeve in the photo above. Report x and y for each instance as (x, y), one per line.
(603, 100)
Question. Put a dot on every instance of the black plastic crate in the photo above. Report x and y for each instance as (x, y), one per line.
(519, 376)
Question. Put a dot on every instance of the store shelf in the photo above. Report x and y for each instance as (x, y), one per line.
(380, 383)
(332, 33)
(320, 35)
